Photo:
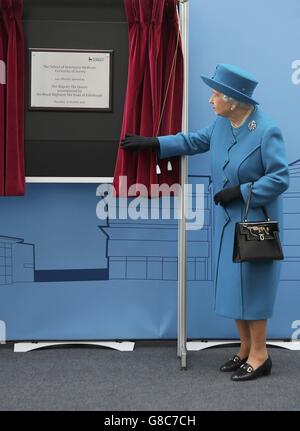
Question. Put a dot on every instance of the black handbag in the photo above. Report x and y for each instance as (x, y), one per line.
(257, 240)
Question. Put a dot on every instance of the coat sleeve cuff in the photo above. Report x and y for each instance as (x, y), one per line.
(165, 149)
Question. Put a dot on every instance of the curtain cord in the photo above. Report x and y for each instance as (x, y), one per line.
(169, 165)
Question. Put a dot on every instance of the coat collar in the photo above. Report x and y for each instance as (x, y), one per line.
(249, 125)
(244, 133)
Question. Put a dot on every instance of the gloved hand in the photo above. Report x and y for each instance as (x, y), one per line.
(135, 142)
(223, 197)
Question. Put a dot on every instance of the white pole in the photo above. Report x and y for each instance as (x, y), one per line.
(182, 330)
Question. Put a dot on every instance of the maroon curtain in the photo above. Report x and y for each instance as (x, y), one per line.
(12, 171)
(154, 97)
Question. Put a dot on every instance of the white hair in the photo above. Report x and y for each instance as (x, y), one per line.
(236, 102)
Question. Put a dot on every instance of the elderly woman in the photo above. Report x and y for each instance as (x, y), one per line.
(247, 149)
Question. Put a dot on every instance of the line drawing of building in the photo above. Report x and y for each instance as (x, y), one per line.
(148, 249)
(137, 252)
(291, 235)
(16, 260)
(17, 265)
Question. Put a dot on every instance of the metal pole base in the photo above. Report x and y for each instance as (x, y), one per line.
(183, 359)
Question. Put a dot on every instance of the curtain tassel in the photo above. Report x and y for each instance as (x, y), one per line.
(169, 168)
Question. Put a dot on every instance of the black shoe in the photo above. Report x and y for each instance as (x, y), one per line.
(233, 364)
(246, 371)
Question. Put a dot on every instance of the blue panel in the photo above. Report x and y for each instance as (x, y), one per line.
(243, 34)
(65, 274)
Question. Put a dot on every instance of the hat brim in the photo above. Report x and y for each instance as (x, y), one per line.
(229, 91)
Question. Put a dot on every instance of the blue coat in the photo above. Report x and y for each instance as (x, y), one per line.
(254, 152)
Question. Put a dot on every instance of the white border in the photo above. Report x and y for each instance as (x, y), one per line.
(71, 180)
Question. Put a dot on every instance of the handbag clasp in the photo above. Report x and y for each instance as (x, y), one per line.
(259, 230)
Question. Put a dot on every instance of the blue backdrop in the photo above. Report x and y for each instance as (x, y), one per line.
(64, 274)
(263, 38)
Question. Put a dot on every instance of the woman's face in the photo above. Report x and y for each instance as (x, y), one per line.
(220, 106)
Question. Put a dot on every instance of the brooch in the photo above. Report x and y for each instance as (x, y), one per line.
(252, 125)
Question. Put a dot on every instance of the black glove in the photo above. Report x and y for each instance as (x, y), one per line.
(223, 197)
(135, 142)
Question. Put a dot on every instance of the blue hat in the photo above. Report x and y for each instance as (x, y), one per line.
(233, 81)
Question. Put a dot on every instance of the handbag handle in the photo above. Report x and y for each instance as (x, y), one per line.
(267, 218)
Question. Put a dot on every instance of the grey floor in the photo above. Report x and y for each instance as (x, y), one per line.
(149, 378)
